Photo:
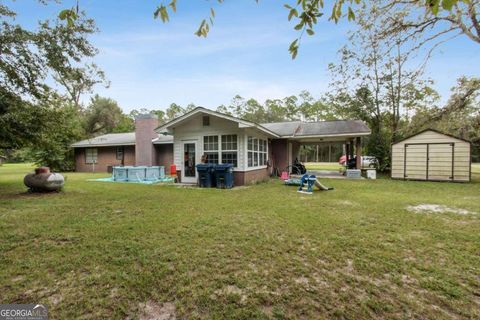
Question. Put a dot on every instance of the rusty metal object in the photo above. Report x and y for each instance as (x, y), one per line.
(44, 180)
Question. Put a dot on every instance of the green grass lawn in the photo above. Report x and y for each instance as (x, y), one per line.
(102, 250)
(322, 166)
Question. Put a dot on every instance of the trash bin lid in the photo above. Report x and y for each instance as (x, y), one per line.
(224, 166)
(204, 165)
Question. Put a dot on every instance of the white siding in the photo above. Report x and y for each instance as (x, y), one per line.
(440, 163)
(193, 129)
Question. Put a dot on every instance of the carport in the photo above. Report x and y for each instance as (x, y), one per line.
(296, 133)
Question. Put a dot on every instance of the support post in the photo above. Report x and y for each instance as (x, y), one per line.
(358, 150)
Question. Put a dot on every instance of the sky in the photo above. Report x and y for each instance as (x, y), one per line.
(151, 64)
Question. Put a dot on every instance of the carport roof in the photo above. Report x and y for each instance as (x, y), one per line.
(318, 129)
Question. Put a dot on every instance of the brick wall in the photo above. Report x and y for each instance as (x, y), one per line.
(164, 155)
(279, 153)
(144, 133)
(241, 178)
(106, 156)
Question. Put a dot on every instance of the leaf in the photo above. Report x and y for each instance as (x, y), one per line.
(292, 13)
(448, 4)
(64, 14)
(299, 26)
(161, 12)
(212, 12)
(173, 5)
(351, 14)
(293, 44)
(310, 32)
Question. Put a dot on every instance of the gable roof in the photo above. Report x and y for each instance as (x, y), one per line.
(242, 123)
(433, 130)
(318, 129)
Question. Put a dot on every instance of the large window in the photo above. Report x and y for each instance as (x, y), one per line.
(221, 149)
(257, 152)
(91, 155)
(229, 149)
(210, 148)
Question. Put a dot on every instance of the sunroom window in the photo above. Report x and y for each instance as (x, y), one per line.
(210, 148)
(230, 149)
(256, 152)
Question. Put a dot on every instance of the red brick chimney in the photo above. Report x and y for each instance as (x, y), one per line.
(144, 149)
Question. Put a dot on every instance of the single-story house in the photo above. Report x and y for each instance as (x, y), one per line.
(254, 149)
(431, 155)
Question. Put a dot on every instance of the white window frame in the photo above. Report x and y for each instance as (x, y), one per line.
(220, 150)
(91, 159)
(256, 152)
(212, 151)
(228, 150)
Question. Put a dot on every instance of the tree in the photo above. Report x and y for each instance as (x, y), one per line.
(21, 122)
(437, 26)
(29, 59)
(80, 80)
(375, 81)
(459, 117)
(306, 13)
(102, 116)
(61, 126)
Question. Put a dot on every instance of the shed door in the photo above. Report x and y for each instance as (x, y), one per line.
(440, 161)
(416, 161)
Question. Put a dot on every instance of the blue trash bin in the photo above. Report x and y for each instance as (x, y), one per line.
(224, 175)
(205, 179)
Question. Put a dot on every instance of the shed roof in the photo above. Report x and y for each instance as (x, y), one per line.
(433, 130)
(321, 128)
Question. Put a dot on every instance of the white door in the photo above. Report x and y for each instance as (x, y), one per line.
(189, 171)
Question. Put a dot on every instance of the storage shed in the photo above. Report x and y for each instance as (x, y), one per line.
(432, 156)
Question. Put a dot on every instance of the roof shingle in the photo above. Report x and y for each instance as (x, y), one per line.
(303, 129)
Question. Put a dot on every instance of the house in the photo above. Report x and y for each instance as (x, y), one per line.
(431, 155)
(255, 150)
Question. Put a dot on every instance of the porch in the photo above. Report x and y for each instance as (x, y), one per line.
(284, 152)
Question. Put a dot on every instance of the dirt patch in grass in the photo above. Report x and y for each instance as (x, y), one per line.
(232, 291)
(437, 208)
(154, 311)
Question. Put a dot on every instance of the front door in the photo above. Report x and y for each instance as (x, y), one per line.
(189, 172)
